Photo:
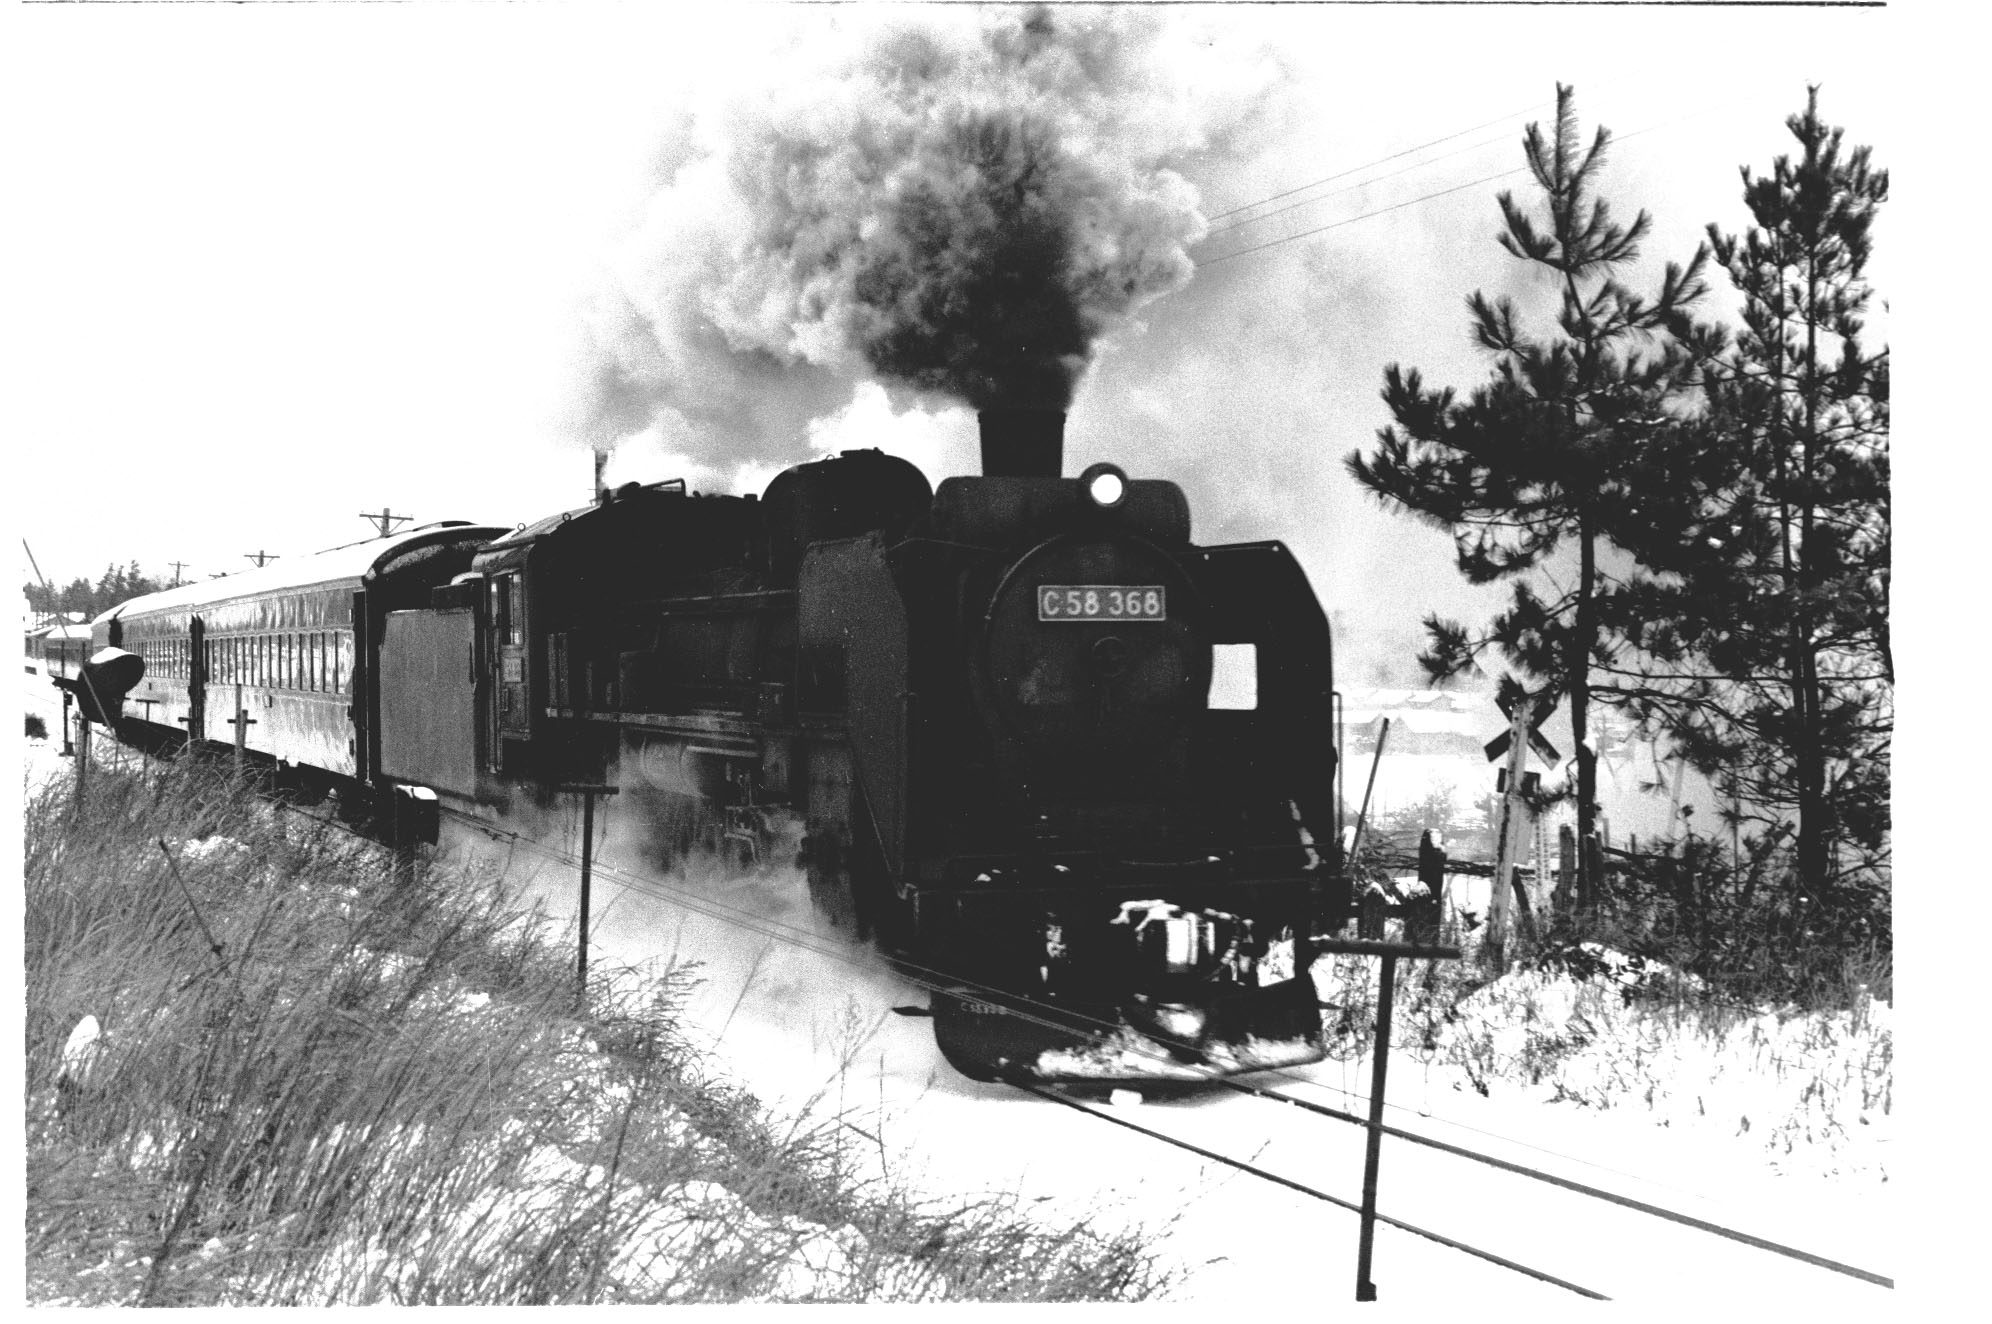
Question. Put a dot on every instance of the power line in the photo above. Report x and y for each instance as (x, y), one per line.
(1329, 179)
(1440, 193)
(1336, 193)
(1336, 225)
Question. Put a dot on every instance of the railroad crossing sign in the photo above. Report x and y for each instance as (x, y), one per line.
(1511, 700)
(1524, 716)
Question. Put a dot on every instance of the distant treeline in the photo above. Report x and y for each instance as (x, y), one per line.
(115, 585)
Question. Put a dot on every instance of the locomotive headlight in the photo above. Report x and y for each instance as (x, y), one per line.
(1104, 485)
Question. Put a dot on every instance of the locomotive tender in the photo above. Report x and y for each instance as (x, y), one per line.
(988, 705)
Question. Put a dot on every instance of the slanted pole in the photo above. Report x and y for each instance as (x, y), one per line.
(1362, 815)
(82, 754)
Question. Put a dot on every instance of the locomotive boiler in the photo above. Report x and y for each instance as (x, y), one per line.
(990, 708)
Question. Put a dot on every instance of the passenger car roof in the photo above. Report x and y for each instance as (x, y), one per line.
(353, 563)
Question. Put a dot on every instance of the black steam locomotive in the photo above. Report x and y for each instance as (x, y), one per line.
(988, 705)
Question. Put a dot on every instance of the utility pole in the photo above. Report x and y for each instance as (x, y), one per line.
(258, 558)
(385, 521)
(178, 566)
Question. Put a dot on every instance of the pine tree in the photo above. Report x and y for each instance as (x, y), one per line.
(81, 597)
(1772, 667)
(41, 598)
(76, 597)
(1536, 459)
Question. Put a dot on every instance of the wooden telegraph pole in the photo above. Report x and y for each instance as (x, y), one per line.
(385, 521)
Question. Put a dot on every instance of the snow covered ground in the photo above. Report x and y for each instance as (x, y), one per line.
(807, 1029)
(803, 1028)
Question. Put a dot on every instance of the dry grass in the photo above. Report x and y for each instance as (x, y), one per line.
(316, 1085)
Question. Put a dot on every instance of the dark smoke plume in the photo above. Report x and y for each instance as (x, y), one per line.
(961, 210)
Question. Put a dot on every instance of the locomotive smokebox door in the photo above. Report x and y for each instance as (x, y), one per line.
(1093, 667)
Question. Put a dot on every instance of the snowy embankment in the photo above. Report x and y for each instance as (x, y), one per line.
(1630, 1093)
(668, 1235)
(1813, 1090)
(798, 1024)
(265, 1068)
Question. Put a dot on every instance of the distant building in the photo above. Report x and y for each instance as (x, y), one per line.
(1435, 773)
(58, 649)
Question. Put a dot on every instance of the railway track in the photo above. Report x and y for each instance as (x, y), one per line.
(1274, 1088)
(1270, 1093)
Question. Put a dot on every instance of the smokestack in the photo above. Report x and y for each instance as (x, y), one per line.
(601, 463)
(1022, 443)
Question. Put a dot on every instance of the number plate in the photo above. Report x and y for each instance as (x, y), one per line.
(1103, 602)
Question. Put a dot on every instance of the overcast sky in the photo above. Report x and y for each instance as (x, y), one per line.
(276, 265)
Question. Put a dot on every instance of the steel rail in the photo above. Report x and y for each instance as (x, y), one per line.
(1292, 1185)
(1569, 1184)
(805, 939)
(802, 938)
(796, 936)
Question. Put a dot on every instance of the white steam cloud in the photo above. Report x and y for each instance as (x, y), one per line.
(961, 211)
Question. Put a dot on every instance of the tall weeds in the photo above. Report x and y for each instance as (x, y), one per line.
(316, 1083)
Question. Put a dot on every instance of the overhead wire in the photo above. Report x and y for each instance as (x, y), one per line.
(1342, 174)
(1346, 188)
(1351, 220)
(1436, 193)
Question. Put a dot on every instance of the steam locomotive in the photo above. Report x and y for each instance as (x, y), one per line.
(990, 707)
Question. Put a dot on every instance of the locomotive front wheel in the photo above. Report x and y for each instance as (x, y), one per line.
(958, 1033)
